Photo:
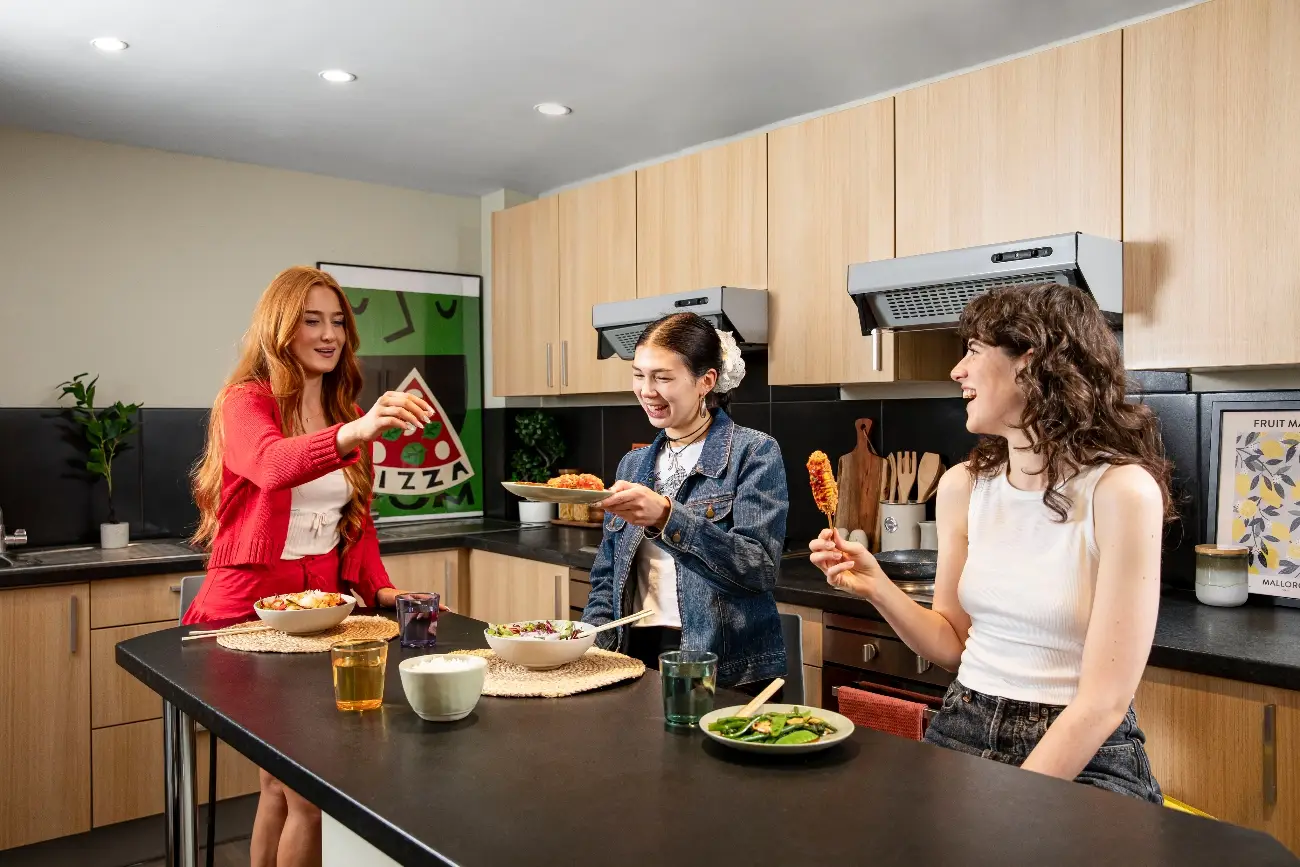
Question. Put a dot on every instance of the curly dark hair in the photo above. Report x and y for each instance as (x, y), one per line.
(1076, 414)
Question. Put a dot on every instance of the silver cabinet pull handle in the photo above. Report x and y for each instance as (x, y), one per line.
(922, 664)
(72, 624)
(835, 692)
(1270, 754)
(558, 590)
(875, 349)
(869, 652)
(175, 588)
(550, 381)
(564, 363)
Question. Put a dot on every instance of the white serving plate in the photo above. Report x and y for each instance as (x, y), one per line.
(308, 620)
(541, 655)
(843, 728)
(544, 494)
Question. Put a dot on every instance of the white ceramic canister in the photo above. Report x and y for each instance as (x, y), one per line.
(900, 526)
(1221, 576)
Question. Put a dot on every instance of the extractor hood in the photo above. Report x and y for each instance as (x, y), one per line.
(740, 311)
(915, 293)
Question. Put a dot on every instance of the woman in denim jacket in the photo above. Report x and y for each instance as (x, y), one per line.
(695, 528)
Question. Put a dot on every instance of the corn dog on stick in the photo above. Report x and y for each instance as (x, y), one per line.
(824, 490)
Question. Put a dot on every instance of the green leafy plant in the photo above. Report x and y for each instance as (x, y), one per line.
(106, 430)
(542, 447)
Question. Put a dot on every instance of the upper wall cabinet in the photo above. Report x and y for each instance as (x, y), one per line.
(597, 265)
(525, 299)
(831, 204)
(702, 220)
(1021, 149)
(1212, 186)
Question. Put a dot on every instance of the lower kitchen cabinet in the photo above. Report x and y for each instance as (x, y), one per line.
(115, 696)
(1210, 747)
(44, 713)
(441, 572)
(505, 589)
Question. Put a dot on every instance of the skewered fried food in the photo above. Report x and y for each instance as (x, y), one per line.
(824, 490)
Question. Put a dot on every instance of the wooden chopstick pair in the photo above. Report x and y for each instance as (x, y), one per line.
(212, 633)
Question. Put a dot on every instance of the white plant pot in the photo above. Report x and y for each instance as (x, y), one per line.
(114, 535)
(535, 513)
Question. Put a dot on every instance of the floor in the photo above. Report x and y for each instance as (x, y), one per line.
(230, 854)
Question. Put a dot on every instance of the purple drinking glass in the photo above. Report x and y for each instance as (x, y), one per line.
(417, 619)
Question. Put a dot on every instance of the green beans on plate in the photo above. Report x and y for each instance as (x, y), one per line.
(797, 726)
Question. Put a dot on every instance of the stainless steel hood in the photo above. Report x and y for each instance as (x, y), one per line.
(915, 293)
(740, 311)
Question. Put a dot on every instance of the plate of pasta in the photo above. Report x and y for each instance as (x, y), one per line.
(305, 612)
(570, 488)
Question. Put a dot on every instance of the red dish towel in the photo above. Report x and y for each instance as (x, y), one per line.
(884, 713)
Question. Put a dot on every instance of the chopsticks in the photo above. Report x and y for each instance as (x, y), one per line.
(213, 633)
(757, 701)
(631, 618)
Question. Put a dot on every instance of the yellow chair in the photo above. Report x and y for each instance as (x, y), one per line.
(1175, 804)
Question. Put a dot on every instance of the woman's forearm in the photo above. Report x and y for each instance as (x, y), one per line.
(927, 632)
(1073, 739)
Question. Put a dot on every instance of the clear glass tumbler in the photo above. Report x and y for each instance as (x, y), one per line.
(358, 667)
(417, 619)
(689, 681)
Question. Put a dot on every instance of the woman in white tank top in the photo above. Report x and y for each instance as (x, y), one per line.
(1048, 577)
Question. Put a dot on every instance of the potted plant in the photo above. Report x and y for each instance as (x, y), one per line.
(106, 431)
(541, 447)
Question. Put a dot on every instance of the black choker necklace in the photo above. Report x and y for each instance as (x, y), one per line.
(702, 426)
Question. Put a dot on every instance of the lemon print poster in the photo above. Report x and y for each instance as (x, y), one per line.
(1259, 496)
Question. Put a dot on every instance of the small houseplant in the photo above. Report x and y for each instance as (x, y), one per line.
(106, 431)
(540, 447)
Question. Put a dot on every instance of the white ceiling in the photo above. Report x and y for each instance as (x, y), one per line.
(445, 88)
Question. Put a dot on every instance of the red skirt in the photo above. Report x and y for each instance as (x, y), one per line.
(230, 591)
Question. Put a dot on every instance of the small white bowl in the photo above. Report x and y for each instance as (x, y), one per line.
(308, 620)
(443, 688)
(540, 655)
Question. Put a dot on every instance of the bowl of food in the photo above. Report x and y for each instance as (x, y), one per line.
(304, 613)
(443, 688)
(540, 644)
(777, 728)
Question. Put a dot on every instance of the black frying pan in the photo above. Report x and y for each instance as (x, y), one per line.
(908, 565)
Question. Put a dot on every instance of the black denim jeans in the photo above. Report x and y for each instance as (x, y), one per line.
(1006, 731)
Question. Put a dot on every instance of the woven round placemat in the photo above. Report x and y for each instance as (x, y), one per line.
(274, 641)
(596, 668)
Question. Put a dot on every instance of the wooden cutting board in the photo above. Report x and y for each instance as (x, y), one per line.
(859, 479)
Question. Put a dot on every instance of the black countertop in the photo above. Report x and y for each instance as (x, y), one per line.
(1256, 643)
(549, 781)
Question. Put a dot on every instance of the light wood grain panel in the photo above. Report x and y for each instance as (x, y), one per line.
(44, 714)
(812, 685)
(505, 589)
(702, 220)
(1212, 186)
(443, 572)
(126, 601)
(597, 266)
(127, 770)
(525, 298)
(812, 630)
(115, 696)
(1024, 148)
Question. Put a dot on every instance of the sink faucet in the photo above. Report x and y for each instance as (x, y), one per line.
(18, 537)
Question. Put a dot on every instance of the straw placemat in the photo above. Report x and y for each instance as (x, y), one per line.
(275, 641)
(596, 668)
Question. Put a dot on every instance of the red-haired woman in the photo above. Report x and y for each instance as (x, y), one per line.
(284, 491)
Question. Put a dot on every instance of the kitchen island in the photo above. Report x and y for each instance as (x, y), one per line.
(597, 776)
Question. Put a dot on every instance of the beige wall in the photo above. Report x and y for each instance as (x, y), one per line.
(143, 266)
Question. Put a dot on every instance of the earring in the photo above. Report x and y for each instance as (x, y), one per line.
(704, 408)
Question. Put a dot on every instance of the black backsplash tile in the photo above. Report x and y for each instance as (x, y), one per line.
(624, 427)
(753, 388)
(753, 415)
(1159, 381)
(171, 443)
(927, 425)
(1177, 414)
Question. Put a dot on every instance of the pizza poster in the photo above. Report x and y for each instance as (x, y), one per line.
(421, 333)
(1259, 498)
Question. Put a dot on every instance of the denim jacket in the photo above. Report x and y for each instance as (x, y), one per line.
(725, 535)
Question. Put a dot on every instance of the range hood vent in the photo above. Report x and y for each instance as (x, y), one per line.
(930, 291)
(620, 324)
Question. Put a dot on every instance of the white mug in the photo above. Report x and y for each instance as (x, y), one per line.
(929, 536)
(900, 526)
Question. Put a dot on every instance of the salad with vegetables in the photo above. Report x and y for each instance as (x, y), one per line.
(798, 726)
(538, 630)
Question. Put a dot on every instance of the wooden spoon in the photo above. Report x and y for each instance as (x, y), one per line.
(927, 476)
(763, 696)
(906, 475)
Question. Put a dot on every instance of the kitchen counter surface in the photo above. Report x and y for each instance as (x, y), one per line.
(1257, 643)
(537, 780)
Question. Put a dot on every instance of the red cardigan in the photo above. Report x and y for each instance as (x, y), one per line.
(262, 466)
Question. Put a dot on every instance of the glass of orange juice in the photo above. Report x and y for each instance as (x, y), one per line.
(359, 673)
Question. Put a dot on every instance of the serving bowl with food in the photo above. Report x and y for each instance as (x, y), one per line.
(306, 612)
(777, 728)
(569, 489)
(540, 644)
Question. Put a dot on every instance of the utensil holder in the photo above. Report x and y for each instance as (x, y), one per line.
(900, 526)
(929, 536)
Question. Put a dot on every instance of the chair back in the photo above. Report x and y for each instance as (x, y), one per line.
(190, 585)
(793, 691)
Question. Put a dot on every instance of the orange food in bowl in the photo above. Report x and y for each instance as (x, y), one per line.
(580, 482)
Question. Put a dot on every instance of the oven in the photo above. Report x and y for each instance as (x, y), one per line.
(869, 655)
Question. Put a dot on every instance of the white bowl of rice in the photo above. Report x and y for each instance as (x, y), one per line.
(541, 644)
(306, 612)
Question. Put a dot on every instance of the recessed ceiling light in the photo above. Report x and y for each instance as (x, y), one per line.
(554, 109)
(337, 76)
(109, 43)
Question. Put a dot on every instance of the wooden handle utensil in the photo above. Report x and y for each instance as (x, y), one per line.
(213, 633)
(758, 700)
(622, 621)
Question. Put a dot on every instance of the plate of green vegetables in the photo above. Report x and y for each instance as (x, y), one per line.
(777, 728)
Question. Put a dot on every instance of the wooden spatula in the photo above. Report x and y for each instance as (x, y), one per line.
(906, 475)
(757, 701)
(927, 476)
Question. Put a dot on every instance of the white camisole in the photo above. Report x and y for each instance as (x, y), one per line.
(1028, 586)
(314, 516)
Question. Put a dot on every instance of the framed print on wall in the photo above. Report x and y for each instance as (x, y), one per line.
(1254, 495)
(422, 332)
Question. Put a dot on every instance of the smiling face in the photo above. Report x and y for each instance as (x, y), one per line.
(668, 392)
(994, 401)
(318, 344)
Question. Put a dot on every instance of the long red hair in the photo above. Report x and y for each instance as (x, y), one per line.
(266, 358)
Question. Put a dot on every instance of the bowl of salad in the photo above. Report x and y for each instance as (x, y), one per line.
(304, 613)
(540, 644)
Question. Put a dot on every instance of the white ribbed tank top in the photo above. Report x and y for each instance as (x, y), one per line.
(314, 516)
(1028, 586)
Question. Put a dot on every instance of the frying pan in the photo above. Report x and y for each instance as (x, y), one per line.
(908, 565)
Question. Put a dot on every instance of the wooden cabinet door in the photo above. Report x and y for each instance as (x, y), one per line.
(525, 299)
(443, 572)
(117, 697)
(597, 265)
(505, 589)
(45, 724)
(701, 220)
(1025, 148)
(1212, 186)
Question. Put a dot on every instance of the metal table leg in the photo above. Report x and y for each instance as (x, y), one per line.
(187, 779)
(170, 784)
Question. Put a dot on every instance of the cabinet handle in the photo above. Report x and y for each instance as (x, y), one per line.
(175, 588)
(558, 612)
(564, 363)
(1270, 754)
(550, 382)
(922, 664)
(835, 692)
(869, 652)
(72, 624)
(875, 349)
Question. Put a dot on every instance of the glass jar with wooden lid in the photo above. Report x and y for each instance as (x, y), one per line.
(1221, 575)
